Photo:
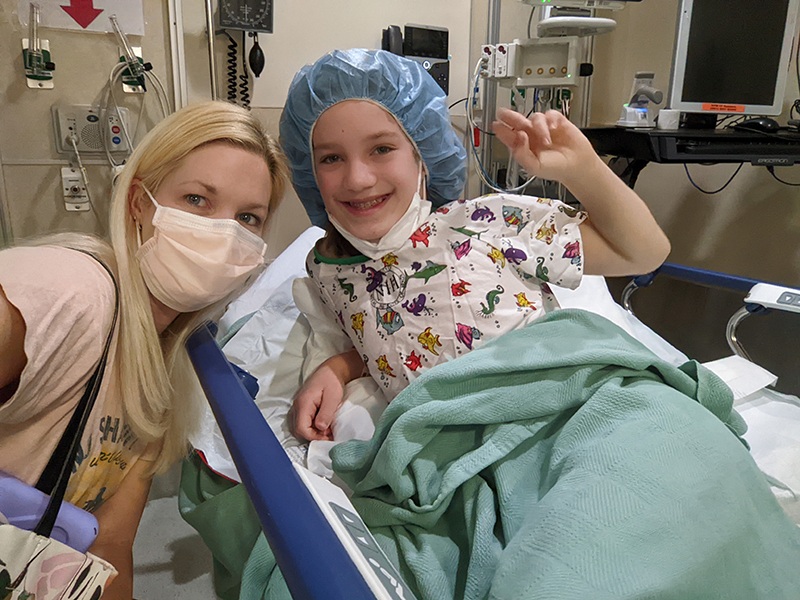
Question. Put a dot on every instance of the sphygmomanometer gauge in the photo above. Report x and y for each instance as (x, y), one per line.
(246, 15)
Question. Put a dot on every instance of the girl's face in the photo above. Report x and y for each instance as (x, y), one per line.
(219, 181)
(366, 167)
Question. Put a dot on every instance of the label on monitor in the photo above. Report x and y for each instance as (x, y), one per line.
(712, 107)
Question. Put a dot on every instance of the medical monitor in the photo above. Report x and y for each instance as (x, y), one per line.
(732, 56)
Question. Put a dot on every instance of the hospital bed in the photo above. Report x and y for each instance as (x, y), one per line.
(263, 333)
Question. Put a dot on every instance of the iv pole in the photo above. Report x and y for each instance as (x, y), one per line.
(211, 63)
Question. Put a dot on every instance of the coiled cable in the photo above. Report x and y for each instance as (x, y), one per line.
(233, 55)
(244, 79)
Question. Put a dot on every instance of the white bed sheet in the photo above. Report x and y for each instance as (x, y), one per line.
(265, 334)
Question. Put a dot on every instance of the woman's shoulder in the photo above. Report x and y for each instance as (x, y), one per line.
(57, 277)
(54, 264)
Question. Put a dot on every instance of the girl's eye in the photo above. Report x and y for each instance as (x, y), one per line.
(329, 159)
(383, 149)
(250, 220)
(195, 200)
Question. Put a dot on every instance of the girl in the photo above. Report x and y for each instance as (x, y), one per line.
(362, 130)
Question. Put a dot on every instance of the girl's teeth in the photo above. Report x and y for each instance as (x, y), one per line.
(370, 204)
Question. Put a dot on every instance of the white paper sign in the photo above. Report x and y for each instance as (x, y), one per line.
(87, 15)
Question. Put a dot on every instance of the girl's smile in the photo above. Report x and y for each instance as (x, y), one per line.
(366, 168)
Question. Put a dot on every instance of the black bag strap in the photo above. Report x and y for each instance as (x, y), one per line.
(55, 477)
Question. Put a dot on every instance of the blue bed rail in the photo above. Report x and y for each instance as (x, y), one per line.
(699, 276)
(313, 561)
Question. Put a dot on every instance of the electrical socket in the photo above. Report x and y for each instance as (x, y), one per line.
(76, 198)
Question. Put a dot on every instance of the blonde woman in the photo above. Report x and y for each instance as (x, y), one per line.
(187, 220)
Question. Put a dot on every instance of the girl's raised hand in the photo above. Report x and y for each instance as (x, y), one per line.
(546, 145)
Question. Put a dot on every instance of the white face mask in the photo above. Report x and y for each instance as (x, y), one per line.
(416, 213)
(193, 261)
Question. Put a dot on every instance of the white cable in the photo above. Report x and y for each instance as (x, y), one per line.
(481, 171)
(163, 99)
(73, 139)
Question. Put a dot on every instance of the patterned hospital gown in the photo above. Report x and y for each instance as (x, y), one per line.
(473, 271)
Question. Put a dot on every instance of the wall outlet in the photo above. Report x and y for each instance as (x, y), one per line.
(76, 198)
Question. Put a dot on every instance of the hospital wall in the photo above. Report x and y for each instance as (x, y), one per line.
(31, 200)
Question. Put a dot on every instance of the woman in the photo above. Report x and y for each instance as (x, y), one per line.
(187, 220)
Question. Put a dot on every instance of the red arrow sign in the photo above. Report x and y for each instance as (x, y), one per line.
(83, 11)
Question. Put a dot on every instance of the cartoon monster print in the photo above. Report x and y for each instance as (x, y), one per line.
(460, 288)
(570, 211)
(421, 235)
(429, 341)
(357, 321)
(523, 302)
(429, 271)
(492, 299)
(442, 210)
(383, 366)
(374, 278)
(481, 213)
(391, 321)
(462, 249)
(348, 289)
(389, 259)
(416, 306)
(514, 255)
(546, 233)
(413, 361)
(512, 215)
(467, 232)
(541, 270)
(572, 251)
(467, 335)
(497, 256)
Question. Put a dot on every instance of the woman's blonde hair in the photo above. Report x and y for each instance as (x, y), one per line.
(159, 389)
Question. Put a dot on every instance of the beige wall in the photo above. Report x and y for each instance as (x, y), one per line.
(30, 168)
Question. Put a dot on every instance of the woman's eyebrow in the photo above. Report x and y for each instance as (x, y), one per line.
(209, 188)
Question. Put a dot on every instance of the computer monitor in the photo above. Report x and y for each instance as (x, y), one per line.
(732, 56)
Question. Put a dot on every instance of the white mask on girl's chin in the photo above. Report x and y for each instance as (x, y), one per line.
(193, 261)
(417, 212)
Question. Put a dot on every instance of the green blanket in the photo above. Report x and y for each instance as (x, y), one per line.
(565, 461)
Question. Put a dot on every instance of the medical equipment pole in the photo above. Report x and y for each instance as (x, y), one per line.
(490, 98)
(211, 63)
(586, 85)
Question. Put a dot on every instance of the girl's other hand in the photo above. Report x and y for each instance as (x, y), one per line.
(546, 145)
(315, 405)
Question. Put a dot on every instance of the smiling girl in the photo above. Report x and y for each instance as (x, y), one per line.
(364, 131)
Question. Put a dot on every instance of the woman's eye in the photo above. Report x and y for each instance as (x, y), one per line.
(250, 219)
(195, 200)
(383, 149)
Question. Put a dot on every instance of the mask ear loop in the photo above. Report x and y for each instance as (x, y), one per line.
(422, 181)
(138, 233)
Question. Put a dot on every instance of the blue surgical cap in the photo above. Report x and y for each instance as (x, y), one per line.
(398, 84)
